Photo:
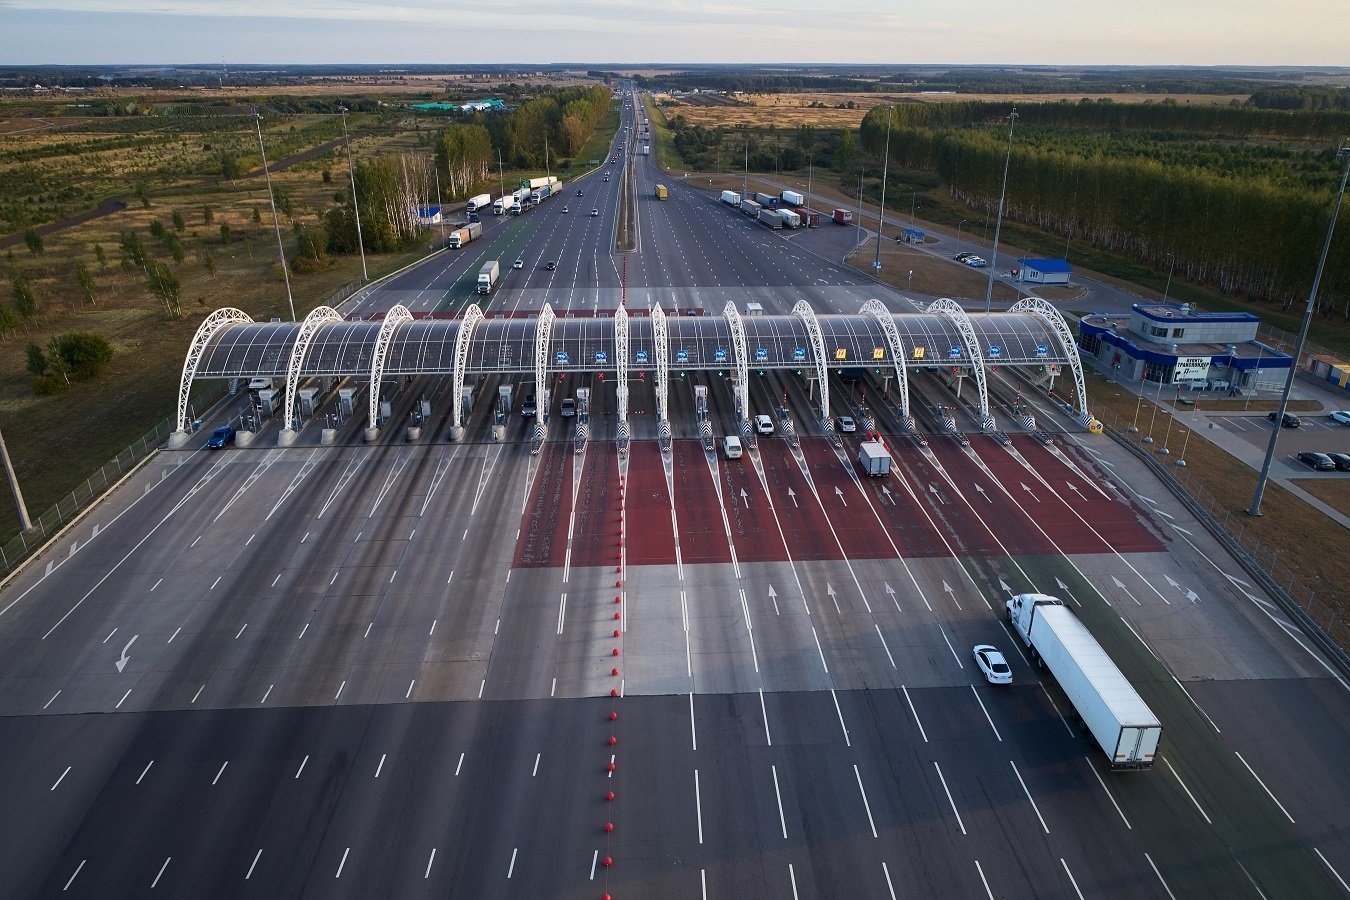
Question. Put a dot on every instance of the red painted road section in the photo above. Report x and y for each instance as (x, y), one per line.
(651, 539)
(543, 528)
(751, 518)
(1116, 521)
(805, 527)
(855, 524)
(1012, 527)
(595, 536)
(962, 529)
(702, 537)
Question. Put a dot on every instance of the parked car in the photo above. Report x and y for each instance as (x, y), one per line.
(962, 257)
(1314, 460)
(1342, 461)
(847, 425)
(551, 265)
(594, 211)
(1290, 420)
(975, 262)
(568, 408)
(1342, 416)
(763, 424)
(992, 664)
(518, 264)
(220, 437)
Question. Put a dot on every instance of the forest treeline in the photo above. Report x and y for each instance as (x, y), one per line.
(1249, 234)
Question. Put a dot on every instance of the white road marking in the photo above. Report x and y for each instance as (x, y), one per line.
(847, 742)
(959, 664)
(266, 695)
(595, 858)
(983, 880)
(257, 856)
(302, 765)
(765, 712)
(867, 806)
(698, 807)
(174, 635)
(432, 630)
(986, 713)
(535, 771)
(820, 650)
(1071, 878)
(241, 631)
(343, 863)
(511, 868)
(110, 634)
(194, 543)
(904, 690)
(198, 694)
(51, 701)
(143, 771)
(410, 687)
(123, 700)
(393, 575)
(221, 772)
(156, 584)
(1197, 705)
(792, 876)
(216, 582)
(693, 731)
(73, 874)
(1029, 797)
(1108, 793)
(430, 860)
(302, 631)
(953, 803)
(275, 580)
(1188, 792)
(887, 872)
(562, 611)
(368, 627)
(339, 690)
(481, 685)
(1266, 789)
(1160, 878)
(460, 763)
(62, 778)
(380, 767)
(777, 793)
(161, 873)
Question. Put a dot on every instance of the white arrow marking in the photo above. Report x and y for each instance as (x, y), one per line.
(773, 595)
(887, 491)
(890, 590)
(1073, 487)
(1028, 490)
(1122, 587)
(793, 495)
(1235, 580)
(933, 489)
(983, 494)
(1004, 586)
(829, 589)
(838, 492)
(745, 497)
(948, 588)
(1065, 588)
(1182, 530)
(122, 662)
(1192, 596)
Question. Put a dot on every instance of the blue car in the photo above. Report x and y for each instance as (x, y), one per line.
(220, 437)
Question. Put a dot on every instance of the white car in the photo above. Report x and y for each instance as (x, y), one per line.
(847, 425)
(991, 662)
(518, 264)
(763, 425)
(1341, 416)
(975, 262)
(564, 209)
(595, 212)
(259, 384)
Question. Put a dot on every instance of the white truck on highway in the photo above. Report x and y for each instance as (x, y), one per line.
(1106, 703)
(502, 205)
(488, 275)
(463, 235)
(792, 198)
(731, 198)
(478, 202)
(874, 458)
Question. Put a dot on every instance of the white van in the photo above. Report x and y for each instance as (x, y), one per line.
(731, 446)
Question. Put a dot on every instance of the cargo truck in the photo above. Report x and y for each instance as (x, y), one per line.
(874, 458)
(481, 201)
(487, 276)
(790, 218)
(731, 198)
(770, 217)
(530, 184)
(461, 236)
(540, 194)
(750, 207)
(1106, 703)
(502, 205)
(810, 218)
(843, 216)
(792, 198)
(768, 201)
(660, 192)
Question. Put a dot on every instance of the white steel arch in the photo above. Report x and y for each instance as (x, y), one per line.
(733, 317)
(542, 335)
(953, 311)
(472, 316)
(207, 330)
(660, 344)
(1051, 316)
(621, 363)
(397, 315)
(320, 316)
(877, 310)
(802, 310)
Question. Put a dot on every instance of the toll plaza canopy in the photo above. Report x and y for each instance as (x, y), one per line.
(230, 345)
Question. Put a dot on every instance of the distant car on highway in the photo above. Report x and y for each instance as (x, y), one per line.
(992, 664)
(518, 264)
(580, 192)
(847, 425)
(594, 211)
(1314, 460)
(568, 408)
(564, 209)
(975, 262)
(551, 265)
(220, 437)
(1290, 420)
(1341, 416)
(527, 406)
(763, 424)
(1342, 461)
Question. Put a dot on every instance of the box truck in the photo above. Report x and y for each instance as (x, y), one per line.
(874, 458)
(487, 276)
(843, 216)
(461, 236)
(792, 198)
(481, 201)
(731, 198)
(1106, 703)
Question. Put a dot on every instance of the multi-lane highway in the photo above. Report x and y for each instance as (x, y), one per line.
(457, 668)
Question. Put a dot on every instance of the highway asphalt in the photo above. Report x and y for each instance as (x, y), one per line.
(440, 668)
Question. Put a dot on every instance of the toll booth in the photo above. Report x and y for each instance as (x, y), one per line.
(386, 410)
(347, 402)
(267, 402)
(307, 396)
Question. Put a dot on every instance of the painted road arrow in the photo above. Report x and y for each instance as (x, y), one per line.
(1118, 583)
(829, 589)
(1073, 487)
(773, 595)
(887, 491)
(948, 588)
(122, 662)
(1065, 588)
(933, 489)
(838, 492)
(745, 497)
(890, 590)
(983, 494)
(1028, 490)
(793, 495)
(1004, 586)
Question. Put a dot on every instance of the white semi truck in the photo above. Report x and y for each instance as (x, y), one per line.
(1108, 705)
(478, 203)
(488, 275)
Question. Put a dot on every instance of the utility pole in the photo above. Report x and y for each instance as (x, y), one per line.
(439, 209)
(860, 204)
(501, 174)
(276, 222)
(1343, 153)
(356, 210)
(745, 182)
(998, 223)
(24, 522)
(881, 210)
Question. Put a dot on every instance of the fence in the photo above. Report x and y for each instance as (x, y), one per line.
(18, 548)
(1325, 623)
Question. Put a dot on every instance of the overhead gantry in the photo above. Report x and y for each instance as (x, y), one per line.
(742, 386)
(803, 311)
(886, 322)
(621, 366)
(1047, 313)
(472, 316)
(543, 331)
(396, 316)
(975, 359)
(213, 323)
(661, 349)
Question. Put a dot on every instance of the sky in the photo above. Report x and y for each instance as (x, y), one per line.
(458, 32)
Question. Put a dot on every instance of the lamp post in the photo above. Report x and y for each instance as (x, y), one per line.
(881, 210)
(1343, 153)
(1171, 264)
(356, 210)
(25, 523)
(958, 229)
(860, 204)
(276, 223)
(998, 223)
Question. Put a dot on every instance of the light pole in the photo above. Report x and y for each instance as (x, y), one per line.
(276, 223)
(356, 211)
(437, 172)
(25, 523)
(881, 210)
(1171, 264)
(1343, 153)
(998, 223)
(860, 201)
(958, 229)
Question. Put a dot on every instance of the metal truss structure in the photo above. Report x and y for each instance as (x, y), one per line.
(733, 317)
(542, 335)
(803, 311)
(472, 316)
(877, 310)
(661, 341)
(214, 322)
(1051, 316)
(621, 351)
(396, 316)
(974, 358)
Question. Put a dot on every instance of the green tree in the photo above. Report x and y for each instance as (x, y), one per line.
(843, 151)
(100, 256)
(257, 215)
(132, 247)
(156, 228)
(87, 285)
(82, 354)
(174, 244)
(229, 167)
(143, 195)
(178, 223)
(37, 360)
(210, 262)
(34, 242)
(327, 177)
(164, 284)
(224, 233)
(207, 214)
(25, 298)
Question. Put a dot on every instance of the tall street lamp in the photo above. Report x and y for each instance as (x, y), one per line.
(1343, 153)
(351, 172)
(958, 229)
(881, 210)
(276, 222)
(993, 262)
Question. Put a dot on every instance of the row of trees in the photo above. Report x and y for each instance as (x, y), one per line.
(1242, 235)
